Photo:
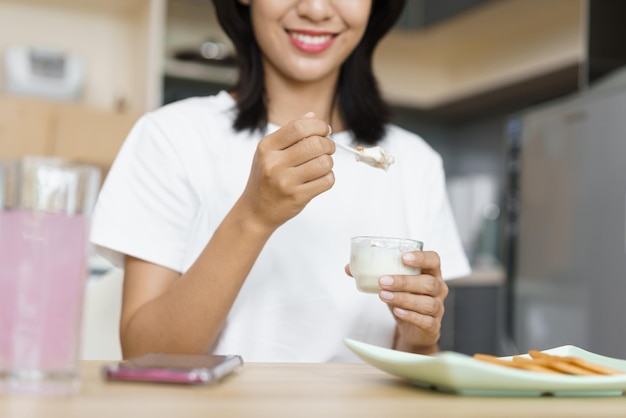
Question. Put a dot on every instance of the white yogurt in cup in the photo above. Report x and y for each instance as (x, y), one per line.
(374, 257)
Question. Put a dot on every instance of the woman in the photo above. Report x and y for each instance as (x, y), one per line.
(232, 214)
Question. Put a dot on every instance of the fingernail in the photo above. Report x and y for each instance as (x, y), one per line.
(330, 130)
(386, 281)
(386, 295)
(399, 311)
(309, 115)
(408, 257)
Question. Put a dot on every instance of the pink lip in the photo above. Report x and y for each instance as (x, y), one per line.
(311, 48)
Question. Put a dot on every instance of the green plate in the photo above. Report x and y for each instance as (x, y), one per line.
(453, 372)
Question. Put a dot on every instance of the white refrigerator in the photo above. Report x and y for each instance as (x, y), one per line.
(566, 228)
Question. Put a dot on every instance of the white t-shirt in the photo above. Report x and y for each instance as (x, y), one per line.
(182, 168)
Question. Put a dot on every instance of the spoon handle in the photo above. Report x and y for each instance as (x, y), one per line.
(345, 147)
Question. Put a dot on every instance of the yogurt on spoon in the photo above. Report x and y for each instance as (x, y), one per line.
(374, 156)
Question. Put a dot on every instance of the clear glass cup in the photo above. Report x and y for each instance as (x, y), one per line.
(45, 208)
(374, 257)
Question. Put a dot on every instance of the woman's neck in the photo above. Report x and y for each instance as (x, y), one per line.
(288, 100)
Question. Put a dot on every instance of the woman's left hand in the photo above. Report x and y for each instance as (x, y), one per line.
(417, 303)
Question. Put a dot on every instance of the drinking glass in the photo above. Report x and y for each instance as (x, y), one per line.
(374, 257)
(45, 207)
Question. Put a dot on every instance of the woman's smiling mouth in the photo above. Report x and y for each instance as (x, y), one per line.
(308, 41)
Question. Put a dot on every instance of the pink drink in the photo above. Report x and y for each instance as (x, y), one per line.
(42, 280)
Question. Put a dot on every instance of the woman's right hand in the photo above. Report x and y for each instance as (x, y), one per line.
(290, 167)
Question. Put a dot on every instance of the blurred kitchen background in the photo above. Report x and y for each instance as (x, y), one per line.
(524, 99)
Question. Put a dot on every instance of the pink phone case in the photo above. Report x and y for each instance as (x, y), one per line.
(174, 368)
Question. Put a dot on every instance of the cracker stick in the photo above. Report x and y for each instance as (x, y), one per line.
(547, 363)
(495, 360)
(517, 365)
(596, 368)
(559, 363)
(535, 365)
(580, 364)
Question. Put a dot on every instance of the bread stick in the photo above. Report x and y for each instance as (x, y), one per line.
(530, 364)
(596, 368)
(517, 365)
(559, 365)
(583, 366)
(547, 363)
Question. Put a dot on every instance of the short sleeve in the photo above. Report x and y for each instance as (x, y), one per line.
(146, 202)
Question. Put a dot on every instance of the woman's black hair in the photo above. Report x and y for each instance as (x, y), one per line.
(361, 105)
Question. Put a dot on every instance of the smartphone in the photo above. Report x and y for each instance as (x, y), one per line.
(174, 368)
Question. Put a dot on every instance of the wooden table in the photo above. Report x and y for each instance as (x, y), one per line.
(293, 390)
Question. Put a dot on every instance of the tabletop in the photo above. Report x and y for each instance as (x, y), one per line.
(293, 390)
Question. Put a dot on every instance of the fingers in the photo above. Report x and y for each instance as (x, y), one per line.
(426, 260)
(430, 326)
(299, 129)
(308, 149)
(419, 316)
(301, 143)
(417, 301)
(423, 294)
(421, 304)
(428, 283)
(317, 185)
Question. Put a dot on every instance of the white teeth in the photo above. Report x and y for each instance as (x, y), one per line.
(312, 40)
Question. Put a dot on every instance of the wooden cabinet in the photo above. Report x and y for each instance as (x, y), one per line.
(88, 134)
(489, 50)
(36, 127)
(24, 127)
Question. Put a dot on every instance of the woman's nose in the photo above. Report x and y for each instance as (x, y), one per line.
(315, 10)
